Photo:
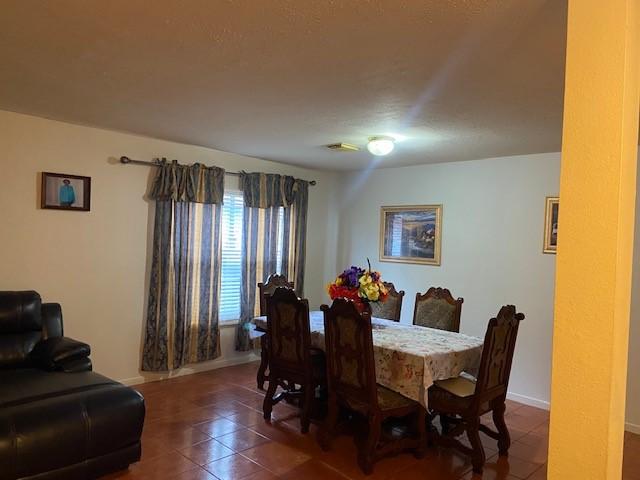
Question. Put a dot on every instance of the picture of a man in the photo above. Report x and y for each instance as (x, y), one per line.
(65, 192)
(66, 195)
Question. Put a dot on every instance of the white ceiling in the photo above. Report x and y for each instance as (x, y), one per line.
(279, 79)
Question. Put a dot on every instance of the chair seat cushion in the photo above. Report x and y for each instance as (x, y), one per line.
(390, 400)
(454, 395)
(462, 386)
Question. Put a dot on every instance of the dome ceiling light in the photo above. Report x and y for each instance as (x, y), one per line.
(381, 145)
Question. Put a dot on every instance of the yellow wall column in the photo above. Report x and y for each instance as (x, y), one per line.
(593, 277)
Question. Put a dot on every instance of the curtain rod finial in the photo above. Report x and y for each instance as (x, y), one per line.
(125, 160)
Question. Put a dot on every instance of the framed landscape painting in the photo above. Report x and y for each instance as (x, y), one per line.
(551, 225)
(411, 234)
(61, 191)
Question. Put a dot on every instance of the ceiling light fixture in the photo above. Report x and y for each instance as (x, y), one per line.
(381, 145)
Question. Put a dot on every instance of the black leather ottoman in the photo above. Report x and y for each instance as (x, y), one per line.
(58, 419)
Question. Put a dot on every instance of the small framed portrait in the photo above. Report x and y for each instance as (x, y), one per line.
(411, 234)
(551, 225)
(65, 192)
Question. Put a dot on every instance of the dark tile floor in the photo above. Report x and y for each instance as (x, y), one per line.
(209, 426)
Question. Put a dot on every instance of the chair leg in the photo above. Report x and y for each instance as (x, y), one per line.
(478, 456)
(367, 453)
(264, 362)
(328, 428)
(445, 424)
(307, 405)
(267, 405)
(504, 442)
(422, 432)
(432, 430)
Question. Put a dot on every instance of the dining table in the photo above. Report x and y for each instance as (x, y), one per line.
(409, 358)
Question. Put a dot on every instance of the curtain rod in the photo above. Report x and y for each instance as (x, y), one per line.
(156, 162)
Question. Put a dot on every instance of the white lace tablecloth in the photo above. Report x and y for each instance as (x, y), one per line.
(410, 358)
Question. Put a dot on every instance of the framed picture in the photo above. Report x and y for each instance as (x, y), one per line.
(551, 225)
(65, 192)
(411, 234)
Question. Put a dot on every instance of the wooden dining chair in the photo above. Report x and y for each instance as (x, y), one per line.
(351, 379)
(461, 401)
(292, 361)
(438, 309)
(391, 308)
(267, 288)
(264, 290)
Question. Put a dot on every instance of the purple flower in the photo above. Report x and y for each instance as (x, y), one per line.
(351, 276)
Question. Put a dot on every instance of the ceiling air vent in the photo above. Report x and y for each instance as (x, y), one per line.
(343, 147)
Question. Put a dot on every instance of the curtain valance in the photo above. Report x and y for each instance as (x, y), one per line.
(264, 226)
(267, 190)
(188, 183)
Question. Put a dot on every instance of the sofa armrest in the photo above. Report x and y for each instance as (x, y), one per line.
(78, 364)
(52, 320)
(62, 353)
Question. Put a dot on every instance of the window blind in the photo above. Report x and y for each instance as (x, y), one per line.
(231, 273)
(280, 241)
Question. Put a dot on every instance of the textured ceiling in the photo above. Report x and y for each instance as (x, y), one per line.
(279, 79)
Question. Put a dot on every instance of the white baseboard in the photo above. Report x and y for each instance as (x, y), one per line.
(532, 402)
(190, 370)
(632, 427)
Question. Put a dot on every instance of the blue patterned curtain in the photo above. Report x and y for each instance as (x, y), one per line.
(264, 195)
(182, 317)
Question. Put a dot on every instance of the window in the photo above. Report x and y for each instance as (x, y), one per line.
(280, 240)
(231, 270)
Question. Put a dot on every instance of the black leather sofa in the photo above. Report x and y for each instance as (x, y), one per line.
(58, 419)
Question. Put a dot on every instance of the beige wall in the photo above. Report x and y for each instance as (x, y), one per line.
(491, 252)
(95, 263)
(493, 214)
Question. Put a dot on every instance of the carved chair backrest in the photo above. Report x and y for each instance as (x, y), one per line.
(438, 309)
(288, 331)
(349, 351)
(267, 288)
(392, 307)
(497, 354)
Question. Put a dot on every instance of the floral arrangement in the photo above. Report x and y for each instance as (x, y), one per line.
(360, 285)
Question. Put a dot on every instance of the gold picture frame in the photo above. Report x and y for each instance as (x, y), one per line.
(411, 234)
(551, 213)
